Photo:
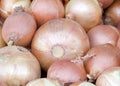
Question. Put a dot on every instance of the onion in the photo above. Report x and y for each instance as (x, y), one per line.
(2, 43)
(19, 28)
(18, 66)
(118, 42)
(105, 3)
(99, 58)
(88, 13)
(67, 72)
(110, 77)
(103, 34)
(59, 39)
(112, 14)
(45, 10)
(118, 26)
(44, 82)
(7, 7)
(85, 83)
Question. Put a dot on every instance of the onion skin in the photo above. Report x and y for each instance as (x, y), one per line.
(44, 82)
(99, 58)
(11, 30)
(2, 42)
(62, 70)
(45, 10)
(18, 65)
(87, 13)
(109, 77)
(7, 7)
(112, 14)
(85, 83)
(102, 34)
(105, 3)
(59, 39)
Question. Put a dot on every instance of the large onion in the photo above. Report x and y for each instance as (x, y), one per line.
(85, 83)
(7, 7)
(18, 66)
(59, 39)
(99, 58)
(103, 34)
(105, 3)
(67, 72)
(110, 77)
(112, 14)
(19, 28)
(45, 10)
(88, 13)
(44, 82)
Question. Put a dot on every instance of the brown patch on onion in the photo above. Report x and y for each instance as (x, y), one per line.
(59, 39)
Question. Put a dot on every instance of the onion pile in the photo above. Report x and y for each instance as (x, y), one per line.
(18, 66)
(112, 14)
(7, 7)
(105, 3)
(44, 82)
(59, 39)
(102, 34)
(99, 58)
(110, 77)
(87, 13)
(19, 28)
(67, 72)
(45, 10)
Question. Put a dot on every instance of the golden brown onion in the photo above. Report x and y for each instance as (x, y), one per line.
(18, 66)
(103, 34)
(112, 14)
(2, 42)
(19, 28)
(59, 39)
(7, 7)
(45, 10)
(99, 58)
(110, 77)
(87, 13)
(67, 72)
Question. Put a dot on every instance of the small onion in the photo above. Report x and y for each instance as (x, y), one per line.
(103, 34)
(99, 58)
(59, 39)
(44, 82)
(85, 83)
(7, 7)
(110, 77)
(45, 10)
(18, 66)
(112, 14)
(87, 13)
(2, 42)
(105, 3)
(19, 28)
(67, 72)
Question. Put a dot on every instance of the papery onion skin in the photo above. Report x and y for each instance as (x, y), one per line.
(102, 34)
(112, 14)
(110, 77)
(45, 10)
(7, 7)
(19, 28)
(2, 42)
(67, 72)
(105, 3)
(87, 13)
(59, 39)
(85, 83)
(44, 82)
(18, 66)
(101, 57)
